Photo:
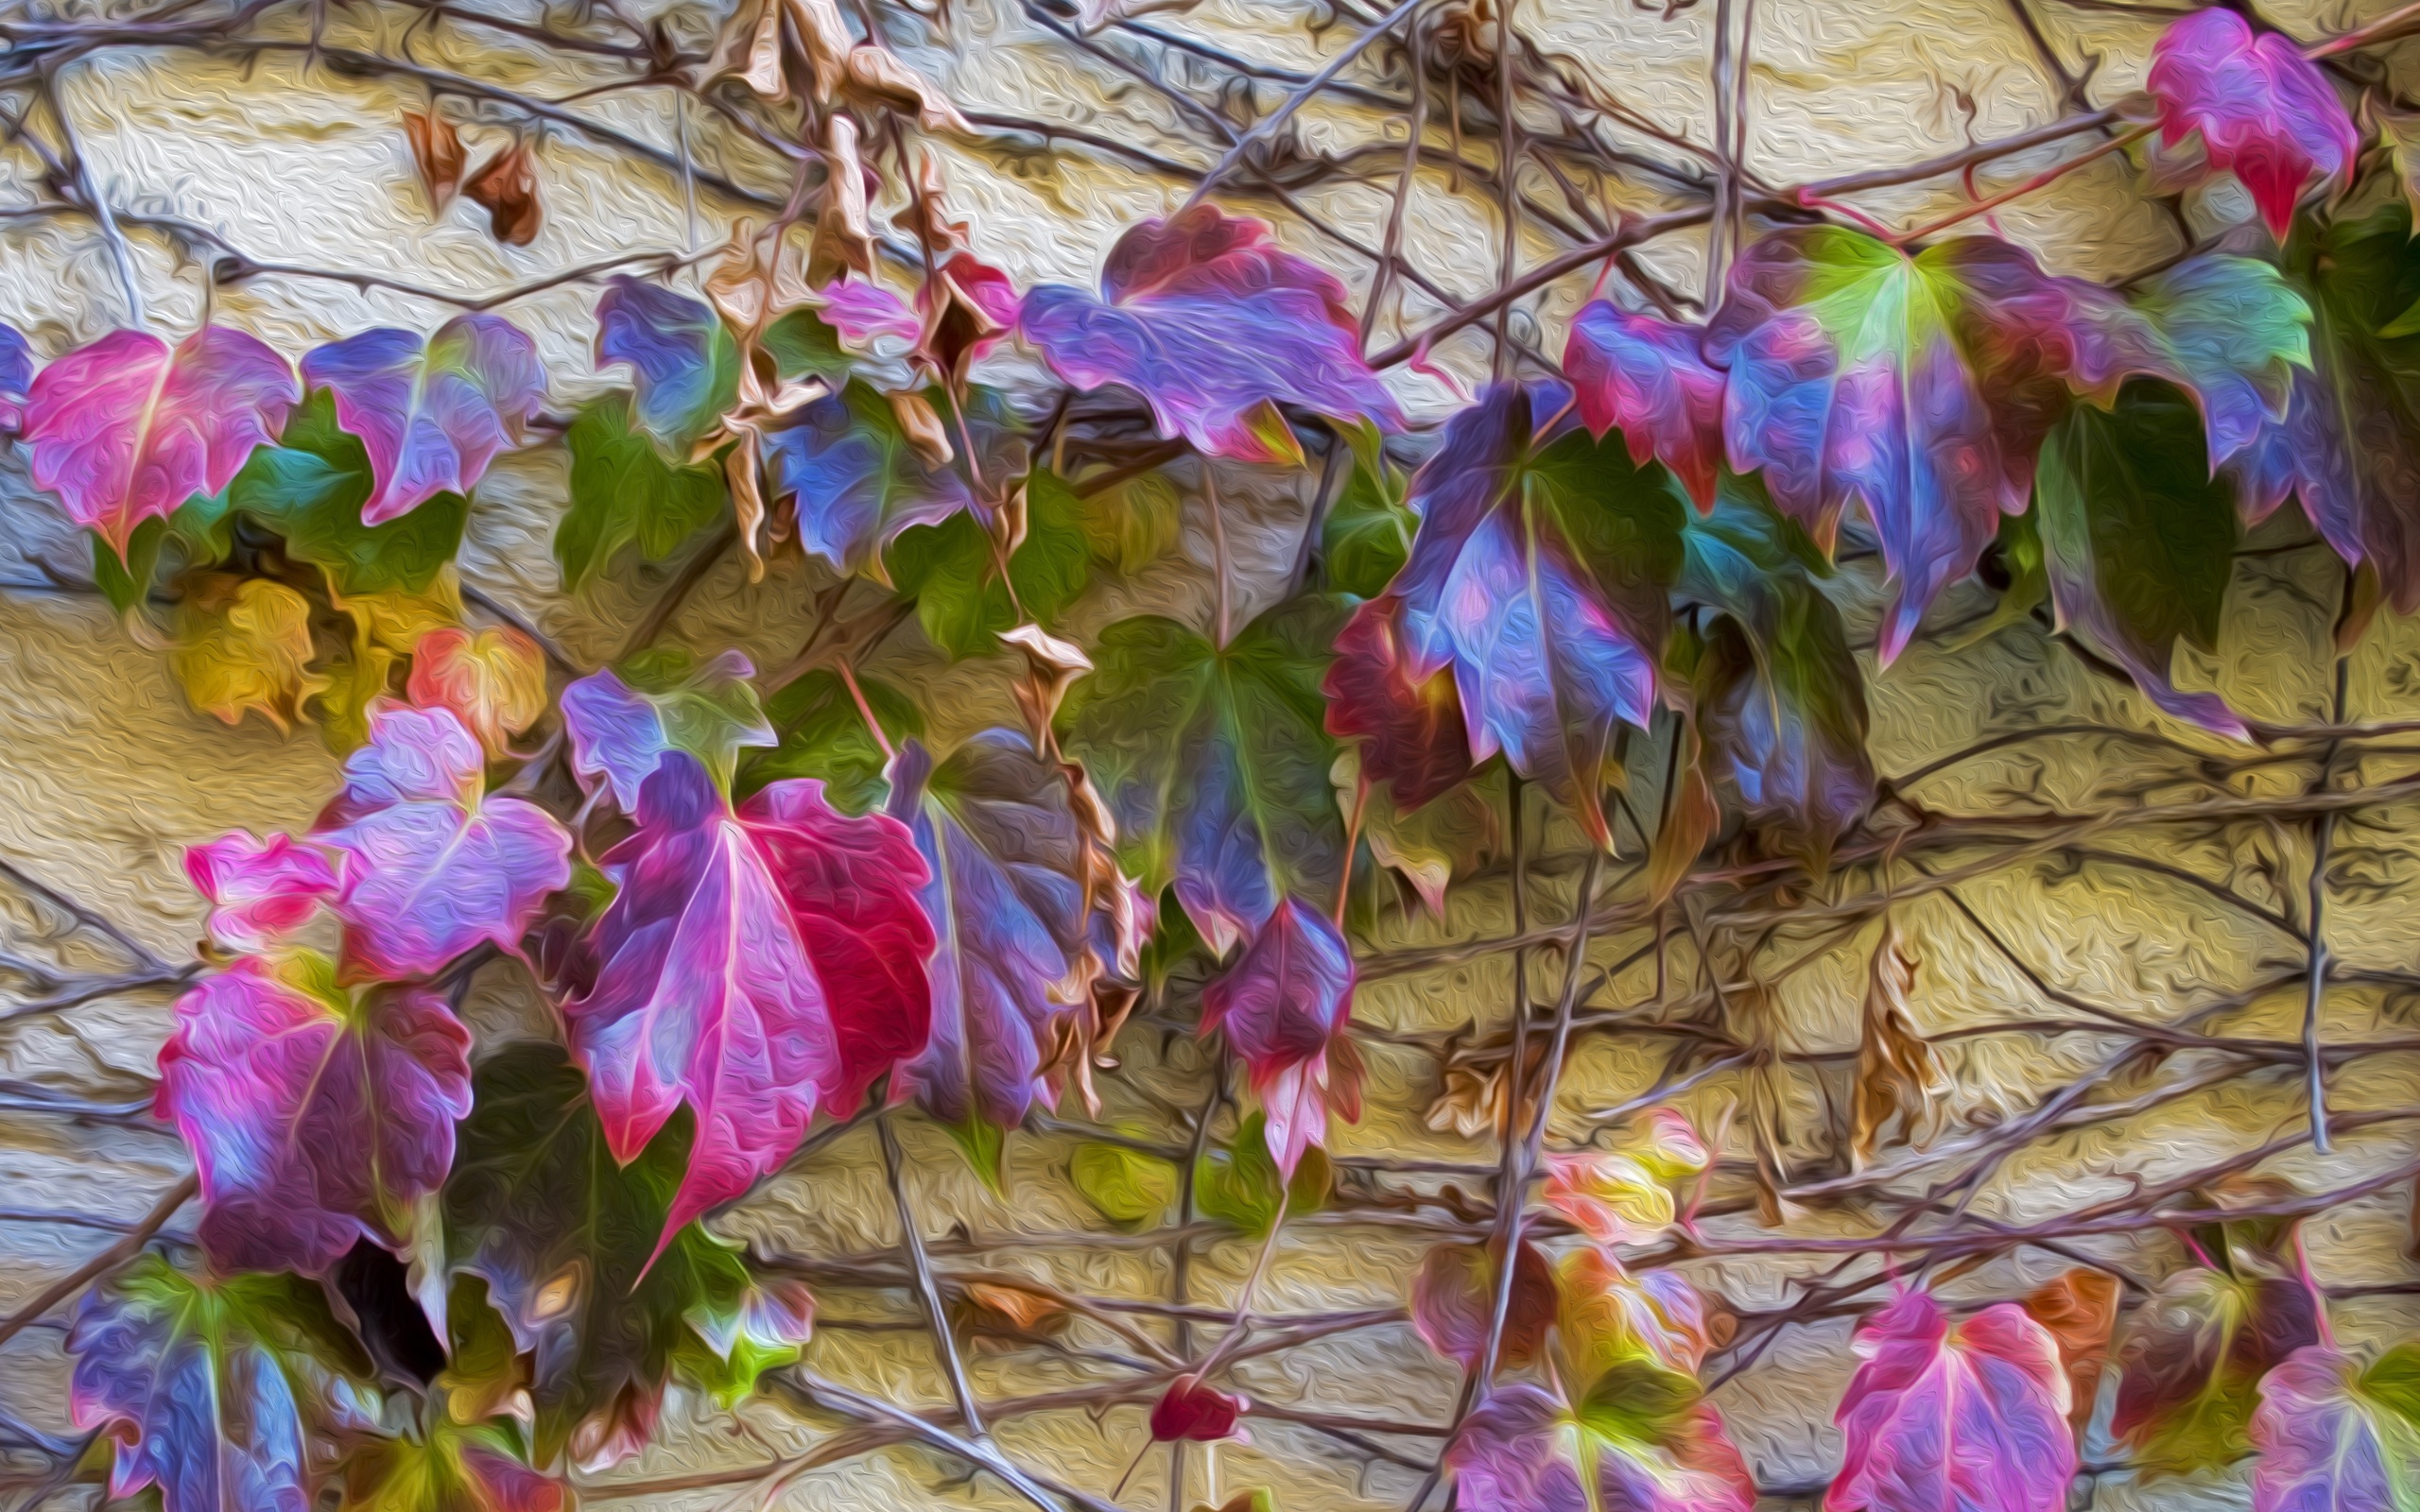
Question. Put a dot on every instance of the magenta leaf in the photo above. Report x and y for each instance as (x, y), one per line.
(1619, 1451)
(433, 867)
(128, 427)
(1943, 1416)
(432, 413)
(1541, 575)
(1189, 1410)
(685, 365)
(1918, 387)
(1647, 376)
(1410, 729)
(1213, 326)
(2334, 1436)
(1005, 855)
(1287, 1007)
(261, 891)
(756, 964)
(622, 722)
(317, 1115)
(215, 1390)
(863, 314)
(2264, 112)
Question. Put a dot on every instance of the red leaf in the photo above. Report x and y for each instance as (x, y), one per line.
(1192, 1410)
(506, 186)
(1285, 1005)
(1410, 728)
(1647, 376)
(755, 966)
(2264, 112)
(261, 890)
(1940, 1415)
(316, 1117)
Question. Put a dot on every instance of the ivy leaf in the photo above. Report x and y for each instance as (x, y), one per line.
(2080, 1308)
(2190, 1365)
(1213, 763)
(1625, 1196)
(243, 644)
(1648, 376)
(211, 1390)
(1005, 856)
(1781, 698)
(16, 377)
(494, 678)
(261, 891)
(1410, 729)
(433, 867)
(432, 413)
(1286, 1006)
(757, 964)
(1918, 386)
(623, 493)
(1189, 1410)
(1213, 326)
(451, 1467)
(199, 533)
(683, 363)
(1539, 574)
(951, 570)
(311, 488)
(622, 723)
(2139, 540)
(1453, 1301)
(2229, 331)
(1238, 1183)
(128, 427)
(859, 479)
(2334, 1436)
(565, 1236)
(1367, 534)
(1967, 1415)
(317, 1116)
(822, 736)
(2350, 442)
(1128, 1187)
(1612, 1325)
(1652, 1450)
(2264, 112)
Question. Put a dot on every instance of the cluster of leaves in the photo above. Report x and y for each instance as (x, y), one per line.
(756, 908)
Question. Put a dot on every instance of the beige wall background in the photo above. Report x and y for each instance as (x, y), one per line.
(105, 773)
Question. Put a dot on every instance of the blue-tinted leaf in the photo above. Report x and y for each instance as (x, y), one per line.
(683, 363)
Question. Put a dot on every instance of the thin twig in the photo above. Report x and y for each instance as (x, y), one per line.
(103, 1263)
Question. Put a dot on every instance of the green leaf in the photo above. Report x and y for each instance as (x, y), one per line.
(1238, 1183)
(199, 534)
(1368, 534)
(824, 736)
(2138, 539)
(802, 346)
(1131, 526)
(537, 1208)
(623, 494)
(950, 570)
(310, 490)
(985, 1145)
(1132, 1189)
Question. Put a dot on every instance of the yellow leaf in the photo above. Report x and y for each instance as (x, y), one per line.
(245, 644)
(496, 678)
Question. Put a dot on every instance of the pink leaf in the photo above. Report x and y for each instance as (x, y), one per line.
(432, 867)
(128, 427)
(1524, 1452)
(864, 313)
(1647, 376)
(1285, 1005)
(431, 414)
(261, 890)
(756, 964)
(2264, 112)
(2336, 1437)
(1970, 1416)
(1189, 1410)
(316, 1117)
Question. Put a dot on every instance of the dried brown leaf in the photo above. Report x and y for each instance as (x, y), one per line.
(1690, 816)
(1897, 1071)
(826, 36)
(844, 225)
(437, 152)
(923, 427)
(506, 186)
(2079, 1309)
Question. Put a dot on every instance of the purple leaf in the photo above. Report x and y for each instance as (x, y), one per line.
(858, 479)
(619, 731)
(2229, 331)
(1918, 387)
(2336, 1437)
(2264, 112)
(1005, 855)
(16, 376)
(1213, 326)
(1648, 376)
(1287, 1006)
(1969, 1415)
(864, 313)
(317, 1116)
(213, 1390)
(261, 891)
(1522, 1451)
(685, 364)
(433, 867)
(431, 414)
(1540, 574)
(128, 427)
(755, 966)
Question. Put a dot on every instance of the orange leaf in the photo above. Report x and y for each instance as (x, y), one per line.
(506, 186)
(496, 678)
(437, 151)
(2079, 1309)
